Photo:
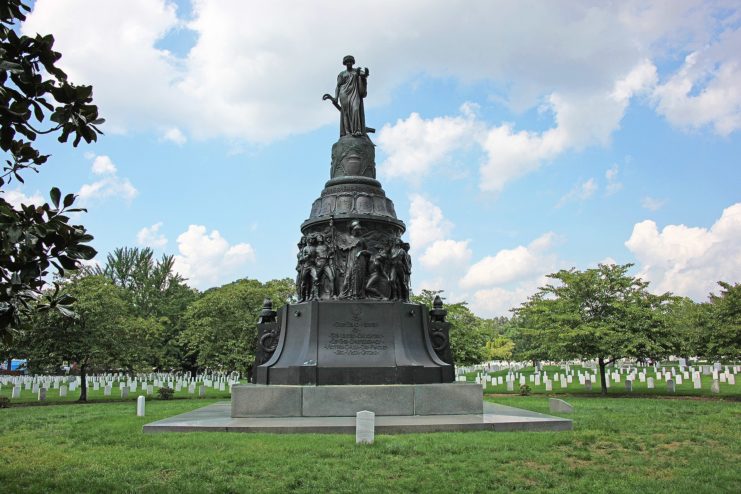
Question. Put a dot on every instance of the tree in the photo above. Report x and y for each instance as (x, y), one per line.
(600, 313)
(32, 89)
(97, 336)
(724, 338)
(157, 295)
(220, 327)
(468, 333)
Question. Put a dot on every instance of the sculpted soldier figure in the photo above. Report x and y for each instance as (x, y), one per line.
(308, 270)
(377, 274)
(397, 259)
(299, 267)
(324, 269)
(406, 284)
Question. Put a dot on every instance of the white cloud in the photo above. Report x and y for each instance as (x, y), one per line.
(652, 203)
(580, 192)
(16, 197)
(706, 90)
(414, 145)
(446, 254)
(207, 259)
(426, 222)
(109, 186)
(497, 301)
(175, 135)
(510, 265)
(256, 68)
(150, 236)
(102, 165)
(689, 260)
(613, 184)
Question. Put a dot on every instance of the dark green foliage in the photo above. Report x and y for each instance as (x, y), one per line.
(220, 327)
(601, 313)
(4, 402)
(34, 238)
(165, 393)
(525, 390)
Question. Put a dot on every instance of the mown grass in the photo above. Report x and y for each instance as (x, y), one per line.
(618, 445)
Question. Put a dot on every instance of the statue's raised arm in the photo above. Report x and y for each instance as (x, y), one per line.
(352, 87)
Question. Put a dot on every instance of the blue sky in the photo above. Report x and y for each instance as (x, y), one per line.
(515, 138)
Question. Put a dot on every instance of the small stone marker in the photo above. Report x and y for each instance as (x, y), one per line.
(557, 405)
(125, 392)
(564, 384)
(588, 384)
(107, 390)
(510, 386)
(62, 391)
(715, 387)
(201, 391)
(140, 406)
(731, 379)
(697, 384)
(549, 385)
(42, 394)
(96, 386)
(35, 388)
(650, 383)
(150, 389)
(16, 392)
(365, 427)
(192, 389)
(670, 388)
(628, 385)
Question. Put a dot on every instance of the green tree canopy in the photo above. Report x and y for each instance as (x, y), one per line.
(33, 89)
(601, 313)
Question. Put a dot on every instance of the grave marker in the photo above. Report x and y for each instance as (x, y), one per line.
(365, 425)
(715, 387)
(650, 383)
(140, 406)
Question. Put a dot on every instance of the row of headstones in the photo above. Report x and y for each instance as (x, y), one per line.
(586, 379)
(42, 392)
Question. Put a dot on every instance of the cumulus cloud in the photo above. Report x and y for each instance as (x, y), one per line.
(174, 135)
(414, 145)
(509, 265)
(16, 197)
(446, 254)
(652, 203)
(689, 260)
(150, 236)
(253, 64)
(102, 165)
(207, 259)
(426, 222)
(706, 90)
(110, 185)
(580, 192)
(613, 182)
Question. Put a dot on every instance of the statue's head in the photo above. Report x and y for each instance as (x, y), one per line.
(302, 241)
(355, 227)
(320, 238)
(312, 240)
(349, 59)
(405, 246)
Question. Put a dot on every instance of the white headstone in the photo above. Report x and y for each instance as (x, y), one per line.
(715, 387)
(537, 380)
(642, 377)
(549, 385)
(150, 389)
(722, 378)
(510, 386)
(62, 391)
(201, 391)
(125, 392)
(96, 386)
(42, 394)
(731, 379)
(16, 392)
(35, 388)
(670, 386)
(192, 389)
(365, 427)
(697, 383)
(650, 383)
(564, 384)
(140, 406)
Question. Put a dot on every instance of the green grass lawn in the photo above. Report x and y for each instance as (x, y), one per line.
(618, 445)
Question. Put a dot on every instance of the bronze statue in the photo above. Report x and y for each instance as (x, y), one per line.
(356, 267)
(352, 87)
(308, 270)
(324, 270)
(377, 274)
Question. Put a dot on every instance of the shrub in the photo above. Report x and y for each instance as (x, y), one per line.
(4, 402)
(525, 390)
(165, 393)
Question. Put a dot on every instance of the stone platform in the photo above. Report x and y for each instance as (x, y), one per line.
(254, 400)
(495, 418)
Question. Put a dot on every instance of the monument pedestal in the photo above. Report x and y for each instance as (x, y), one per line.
(354, 342)
(254, 400)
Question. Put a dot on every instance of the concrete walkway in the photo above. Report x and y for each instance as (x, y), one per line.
(216, 418)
